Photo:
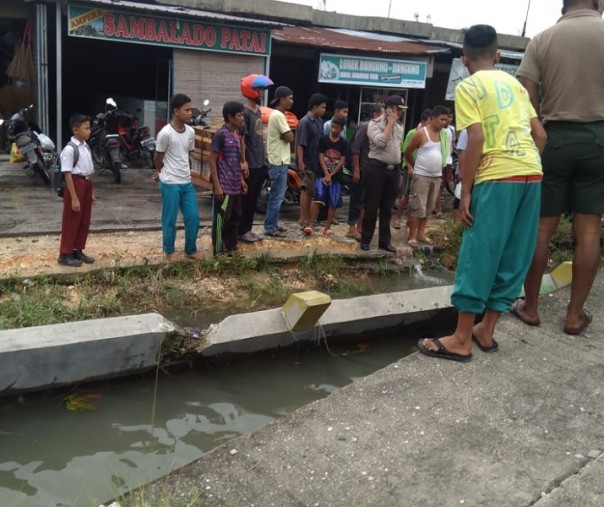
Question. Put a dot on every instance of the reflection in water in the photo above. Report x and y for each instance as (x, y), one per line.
(52, 457)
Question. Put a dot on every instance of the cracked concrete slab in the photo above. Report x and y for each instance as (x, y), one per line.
(585, 488)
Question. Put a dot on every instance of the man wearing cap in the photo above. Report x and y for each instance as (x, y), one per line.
(563, 71)
(385, 134)
(279, 139)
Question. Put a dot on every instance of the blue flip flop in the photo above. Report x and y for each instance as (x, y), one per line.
(442, 352)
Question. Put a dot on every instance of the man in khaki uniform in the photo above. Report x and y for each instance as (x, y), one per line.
(565, 66)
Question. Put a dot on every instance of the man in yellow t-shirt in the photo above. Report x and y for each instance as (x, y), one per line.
(279, 138)
(501, 191)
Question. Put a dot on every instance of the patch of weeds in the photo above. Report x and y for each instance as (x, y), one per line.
(263, 263)
(160, 494)
(347, 288)
(562, 244)
(448, 241)
(383, 268)
(321, 264)
(265, 291)
(43, 302)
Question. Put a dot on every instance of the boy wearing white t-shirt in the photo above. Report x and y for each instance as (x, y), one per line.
(174, 143)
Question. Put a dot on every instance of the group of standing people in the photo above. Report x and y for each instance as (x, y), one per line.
(375, 153)
(511, 198)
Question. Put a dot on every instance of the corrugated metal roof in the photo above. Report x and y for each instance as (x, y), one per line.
(158, 10)
(505, 53)
(325, 38)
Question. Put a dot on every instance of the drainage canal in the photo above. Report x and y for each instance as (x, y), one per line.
(137, 430)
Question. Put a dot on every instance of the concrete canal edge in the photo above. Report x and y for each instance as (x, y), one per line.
(520, 427)
(45, 357)
(268, 329)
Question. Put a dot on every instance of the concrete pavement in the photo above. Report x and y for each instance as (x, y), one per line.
(520, 427)
(29, 206)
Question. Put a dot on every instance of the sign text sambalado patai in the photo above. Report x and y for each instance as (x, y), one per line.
(132, 27)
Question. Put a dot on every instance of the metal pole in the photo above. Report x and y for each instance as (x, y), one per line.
(267, 70)
(526, 18)
(59, 76)
(42, 67)
(389, 7)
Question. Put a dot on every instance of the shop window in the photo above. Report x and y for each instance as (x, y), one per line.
(372, 96)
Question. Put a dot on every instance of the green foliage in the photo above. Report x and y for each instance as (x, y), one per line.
(322, 264)
(448, 238)
(249, 283)
(562, 244)
(270, 291)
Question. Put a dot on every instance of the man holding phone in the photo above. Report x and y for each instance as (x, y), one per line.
(385, 134)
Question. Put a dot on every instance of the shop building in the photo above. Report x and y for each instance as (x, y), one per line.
(360, 68)
(137, 53)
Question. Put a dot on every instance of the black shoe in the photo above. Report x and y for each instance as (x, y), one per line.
(81, 256)
(388, 248)
(364, 246)
(69, 260)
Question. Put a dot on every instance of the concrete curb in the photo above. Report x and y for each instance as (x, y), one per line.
(57, 355)
(44, 357)
(345, 317)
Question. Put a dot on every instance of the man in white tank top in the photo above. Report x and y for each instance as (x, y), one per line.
(425, 169)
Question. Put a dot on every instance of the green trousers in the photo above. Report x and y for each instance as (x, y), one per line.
(496, 252)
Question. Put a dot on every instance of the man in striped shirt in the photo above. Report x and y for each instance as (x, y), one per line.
(227, 168)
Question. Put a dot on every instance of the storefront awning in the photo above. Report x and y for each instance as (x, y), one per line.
(360, 42)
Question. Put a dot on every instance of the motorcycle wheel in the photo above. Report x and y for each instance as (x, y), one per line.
(262, 201)
(148, 158)
(117, 172)
(41, 168)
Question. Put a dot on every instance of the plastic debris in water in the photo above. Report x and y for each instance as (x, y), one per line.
(81, 402)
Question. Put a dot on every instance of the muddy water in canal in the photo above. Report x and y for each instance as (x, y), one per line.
(140, 429)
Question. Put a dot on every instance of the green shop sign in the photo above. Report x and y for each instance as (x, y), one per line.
(120, 26)
(380, 72)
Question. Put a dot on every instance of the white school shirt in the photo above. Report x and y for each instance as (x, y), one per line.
(84, 167)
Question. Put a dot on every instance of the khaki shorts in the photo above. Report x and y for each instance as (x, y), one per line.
(308, 181)
(424, 192)
(573, 169)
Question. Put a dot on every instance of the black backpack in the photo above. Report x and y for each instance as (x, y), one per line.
(59, 179)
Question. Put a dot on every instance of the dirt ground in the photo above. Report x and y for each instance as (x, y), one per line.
(35, 255)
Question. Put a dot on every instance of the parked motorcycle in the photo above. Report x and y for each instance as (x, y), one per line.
(136, 142)
(38, 148)
(292, 192)
(199, 116)
(105, 147)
